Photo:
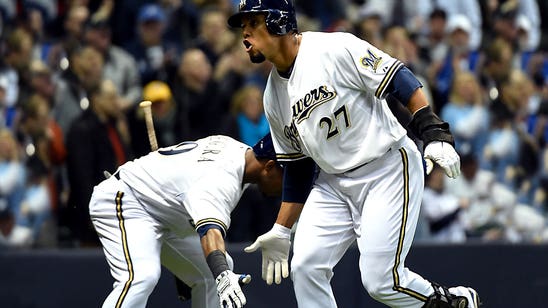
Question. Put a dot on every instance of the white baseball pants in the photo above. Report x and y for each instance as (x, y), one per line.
(378, 206)
(136, 245)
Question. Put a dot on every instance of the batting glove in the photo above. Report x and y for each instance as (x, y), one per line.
(443, 154)
(275, 246)
(229, 290)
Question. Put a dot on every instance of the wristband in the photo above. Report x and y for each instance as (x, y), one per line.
(281, 231)
(216, 261)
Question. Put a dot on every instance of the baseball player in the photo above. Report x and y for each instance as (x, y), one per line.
(325, 102)
(172, 207)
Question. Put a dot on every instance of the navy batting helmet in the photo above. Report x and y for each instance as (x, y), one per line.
(280, 15)
(264, 148)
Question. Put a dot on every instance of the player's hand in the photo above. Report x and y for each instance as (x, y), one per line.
(443, 154)
(229, 290)
(275, 246)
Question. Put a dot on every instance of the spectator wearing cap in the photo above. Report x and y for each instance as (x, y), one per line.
(469, 8)
(459, 57)
(369, 25)
(505, 22)
(169, 130)
(120, 66)
(155, 56)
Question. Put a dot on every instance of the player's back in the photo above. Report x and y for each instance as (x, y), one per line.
(166, 176)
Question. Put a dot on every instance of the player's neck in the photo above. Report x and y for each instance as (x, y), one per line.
(251, 167)
(289, 50)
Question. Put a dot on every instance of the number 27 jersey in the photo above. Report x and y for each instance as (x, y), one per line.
(332, 107)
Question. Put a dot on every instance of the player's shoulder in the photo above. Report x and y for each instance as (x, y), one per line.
(328, 40)
(329, 44)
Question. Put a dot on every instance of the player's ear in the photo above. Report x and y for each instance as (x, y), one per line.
(270, 165)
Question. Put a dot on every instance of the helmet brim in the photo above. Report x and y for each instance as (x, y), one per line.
(235, 21)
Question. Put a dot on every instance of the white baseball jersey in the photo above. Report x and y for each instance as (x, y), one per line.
(315, 112)
(204, 176)
(147, 213)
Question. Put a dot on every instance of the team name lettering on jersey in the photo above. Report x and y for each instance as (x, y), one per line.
(213, 148)
(371, 61)
(292, 134)
(304, 107)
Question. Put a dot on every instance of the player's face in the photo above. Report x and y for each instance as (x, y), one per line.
(270, 182)
(256, 36)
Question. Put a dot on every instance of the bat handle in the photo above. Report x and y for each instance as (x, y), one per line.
(147, 109)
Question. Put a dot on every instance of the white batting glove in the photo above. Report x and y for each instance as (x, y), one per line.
(229, 290)
(275, 246)
(443, 154)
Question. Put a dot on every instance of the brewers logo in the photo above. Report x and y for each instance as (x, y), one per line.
(371, 61)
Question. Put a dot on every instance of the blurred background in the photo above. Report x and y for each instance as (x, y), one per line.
(72, 73)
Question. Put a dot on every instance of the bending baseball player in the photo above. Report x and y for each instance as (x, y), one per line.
(325, 102)
(172, 207)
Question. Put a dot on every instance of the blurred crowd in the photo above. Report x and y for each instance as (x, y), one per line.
(72, 73)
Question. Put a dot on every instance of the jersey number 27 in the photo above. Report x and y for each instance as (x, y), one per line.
(332, 122)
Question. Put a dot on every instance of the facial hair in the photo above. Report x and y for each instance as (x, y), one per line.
(257, 58)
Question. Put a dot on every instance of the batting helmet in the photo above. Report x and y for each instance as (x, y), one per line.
(264, 148)
(280, 15)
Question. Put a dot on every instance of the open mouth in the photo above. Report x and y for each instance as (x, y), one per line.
(247, 45)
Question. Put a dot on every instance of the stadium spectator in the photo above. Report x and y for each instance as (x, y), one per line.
(168, 128)
(442, 210)
(409, 14)
(12, 188)
(42, 81)
(369, 25)
(3, 109)
(459, 57)
(196, 94)
(71, 94)
(496, 67)
(155, 56)
(15, 62)
(119, 66)
(247, 121)
(467, 114)
(470, 9)
(433, 45)
(214, 37)
(97, 141)
(490, 202)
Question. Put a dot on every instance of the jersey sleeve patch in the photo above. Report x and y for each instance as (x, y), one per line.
(371, 61)
(387, 78)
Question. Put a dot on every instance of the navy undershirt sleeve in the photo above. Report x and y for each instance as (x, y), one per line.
(403, 85)
(202, 230)
(298, 178)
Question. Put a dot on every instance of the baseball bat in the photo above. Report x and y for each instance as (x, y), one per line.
(147, 109)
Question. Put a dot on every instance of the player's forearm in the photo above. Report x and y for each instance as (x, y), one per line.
(289, 213)
(212, 240)
(417, 101)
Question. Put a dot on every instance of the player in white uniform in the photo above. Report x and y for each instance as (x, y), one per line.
(172, 207)
(325, 104)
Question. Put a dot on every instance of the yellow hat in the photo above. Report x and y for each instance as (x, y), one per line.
(156, 91)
